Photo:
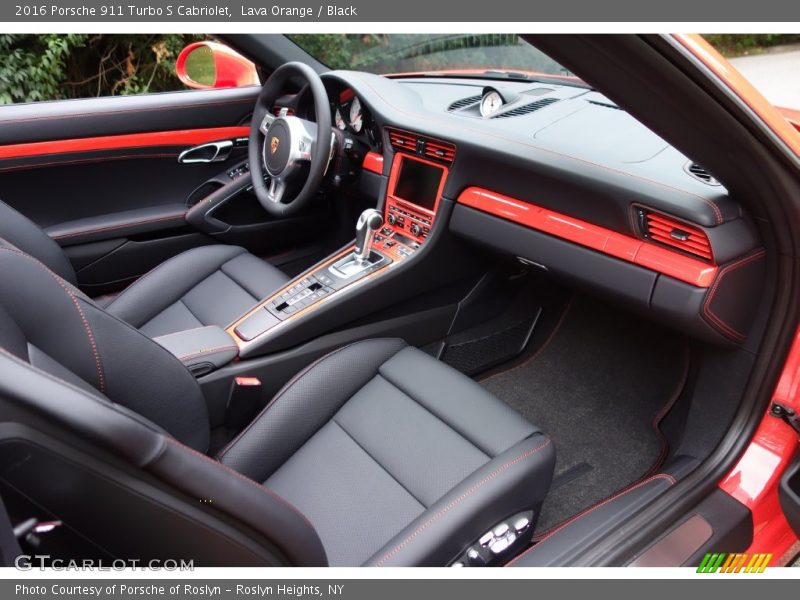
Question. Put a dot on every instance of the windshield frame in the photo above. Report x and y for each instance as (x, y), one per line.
(490, 73)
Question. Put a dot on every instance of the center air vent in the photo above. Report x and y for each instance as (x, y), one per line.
(699, 172)
(463, 103)
(676, 234)
(433, 149)
(526, 108)
(402, 140)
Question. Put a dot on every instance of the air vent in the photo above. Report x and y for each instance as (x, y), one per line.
(527, 108)
(422, 146)
(605, 104)
(463, 103)
(439, 151)
(403, 140)
(699, 172)
(673, 233)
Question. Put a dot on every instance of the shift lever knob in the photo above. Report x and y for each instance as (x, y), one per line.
(368, 223)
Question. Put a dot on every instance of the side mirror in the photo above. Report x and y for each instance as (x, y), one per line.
(209, 65)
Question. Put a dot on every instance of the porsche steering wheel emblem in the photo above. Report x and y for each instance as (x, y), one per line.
(273, 145)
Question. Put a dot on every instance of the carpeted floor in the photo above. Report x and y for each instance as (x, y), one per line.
(595, 388)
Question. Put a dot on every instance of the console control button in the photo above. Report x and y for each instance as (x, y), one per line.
(500, 530)
(521, 524)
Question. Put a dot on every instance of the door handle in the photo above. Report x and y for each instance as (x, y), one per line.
(207, 153)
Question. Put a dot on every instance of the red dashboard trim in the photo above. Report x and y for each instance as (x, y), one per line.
(130, 140)
(618, 245)
(373, 162)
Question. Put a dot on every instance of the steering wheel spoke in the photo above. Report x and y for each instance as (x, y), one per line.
(276, 190)
(266, 122)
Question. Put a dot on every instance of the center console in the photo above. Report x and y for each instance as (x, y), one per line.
(384, 240)
(415, 188)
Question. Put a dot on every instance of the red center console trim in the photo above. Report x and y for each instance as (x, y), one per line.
(408, 216)
(623, 247)
(182, 137)
(373, 162)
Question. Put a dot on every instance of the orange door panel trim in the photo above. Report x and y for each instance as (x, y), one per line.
(630, 249)
(181, 137)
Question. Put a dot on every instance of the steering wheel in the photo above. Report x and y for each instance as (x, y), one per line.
(279, 146)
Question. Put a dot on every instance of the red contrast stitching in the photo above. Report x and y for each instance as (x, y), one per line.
(57, 163)
(263, 488)
(669, 478)
(90, 335)
(726, 328)
(138, 283)
(462, 497)
(172, 217)
(665, 410)
(278, 396)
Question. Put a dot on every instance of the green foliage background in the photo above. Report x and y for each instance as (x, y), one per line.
(59, 67)
(735, 44)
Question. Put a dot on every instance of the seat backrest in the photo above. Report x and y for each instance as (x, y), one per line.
(30, 238)
(53, 326)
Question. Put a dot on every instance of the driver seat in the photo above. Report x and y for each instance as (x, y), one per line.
(209, 285)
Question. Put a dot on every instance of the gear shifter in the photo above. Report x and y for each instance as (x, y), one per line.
(363, 258)
(368, 223)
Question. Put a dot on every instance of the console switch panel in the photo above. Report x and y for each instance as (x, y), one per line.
(304, 293)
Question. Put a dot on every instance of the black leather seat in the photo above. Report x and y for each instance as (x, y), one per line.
(210, 285)
(376, 454)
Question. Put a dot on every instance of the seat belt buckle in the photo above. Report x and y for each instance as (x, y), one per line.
(243, 401)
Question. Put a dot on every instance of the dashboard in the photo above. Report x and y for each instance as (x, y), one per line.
(561, 177)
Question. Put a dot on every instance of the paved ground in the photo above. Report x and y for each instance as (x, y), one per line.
(776, 74)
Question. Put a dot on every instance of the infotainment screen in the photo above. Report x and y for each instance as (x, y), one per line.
(418, 183)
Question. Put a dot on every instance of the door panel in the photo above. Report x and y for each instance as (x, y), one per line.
(102, 177)
(119, 115)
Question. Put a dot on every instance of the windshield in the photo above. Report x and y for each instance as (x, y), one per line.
(499, 55)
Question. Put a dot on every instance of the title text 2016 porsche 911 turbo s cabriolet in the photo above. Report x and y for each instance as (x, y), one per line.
(495, 312)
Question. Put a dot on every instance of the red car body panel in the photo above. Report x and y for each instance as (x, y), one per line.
(755, 478)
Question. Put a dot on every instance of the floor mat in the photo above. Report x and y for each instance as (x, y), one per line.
(596, 388)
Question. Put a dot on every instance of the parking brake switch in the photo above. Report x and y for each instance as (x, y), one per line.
(498, 544)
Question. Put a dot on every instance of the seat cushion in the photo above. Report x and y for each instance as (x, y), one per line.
(210, 285)
(395, 458)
